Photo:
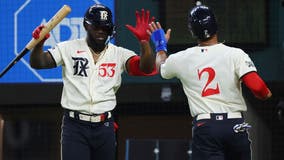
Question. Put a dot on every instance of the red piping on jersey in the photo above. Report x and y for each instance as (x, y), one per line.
(253, 81)
(134, 69)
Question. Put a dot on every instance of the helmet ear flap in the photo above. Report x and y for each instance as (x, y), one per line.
(189, 26)
(113, 32)
(85, 24)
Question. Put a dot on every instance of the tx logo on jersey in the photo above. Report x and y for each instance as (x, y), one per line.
(80, 66)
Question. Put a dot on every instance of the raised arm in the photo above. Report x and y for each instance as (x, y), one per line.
(160, 39)
(40, 59)
(145, 63)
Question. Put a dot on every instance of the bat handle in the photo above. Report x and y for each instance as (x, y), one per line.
(14, 61)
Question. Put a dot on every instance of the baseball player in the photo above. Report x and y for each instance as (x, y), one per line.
(211, 74)
(91, 71)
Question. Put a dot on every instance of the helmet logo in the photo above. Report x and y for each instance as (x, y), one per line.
(104, 15)
(206, 34)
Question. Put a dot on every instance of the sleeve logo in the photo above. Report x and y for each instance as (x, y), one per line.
(249, 63)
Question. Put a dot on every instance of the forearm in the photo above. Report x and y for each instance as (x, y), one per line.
(256, 85)
(160, 42)
(40, 59)
(36, 55)
(160, 59)
(147, 61)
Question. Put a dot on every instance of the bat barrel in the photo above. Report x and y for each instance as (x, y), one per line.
(58, 17)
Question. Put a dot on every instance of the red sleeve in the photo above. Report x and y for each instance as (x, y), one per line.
(134, 69)
(115, 126)
(256, 85)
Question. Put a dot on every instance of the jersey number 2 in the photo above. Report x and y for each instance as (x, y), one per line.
(206, 91)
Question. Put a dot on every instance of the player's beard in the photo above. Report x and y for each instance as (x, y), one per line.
(97, 45)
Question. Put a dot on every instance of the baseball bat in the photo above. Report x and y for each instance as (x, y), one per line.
(58, 17)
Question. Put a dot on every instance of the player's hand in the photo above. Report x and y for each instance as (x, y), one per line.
(158, 36)
(36, 33)
(142, 25)
(156, 26)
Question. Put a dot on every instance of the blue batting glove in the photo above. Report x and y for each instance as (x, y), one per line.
(159, 39)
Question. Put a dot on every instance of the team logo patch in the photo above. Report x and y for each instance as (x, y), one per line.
(249, 63)
(106, 124)
(219, 117)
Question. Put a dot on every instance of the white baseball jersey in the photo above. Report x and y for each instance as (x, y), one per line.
(210, 77)
(89, 87)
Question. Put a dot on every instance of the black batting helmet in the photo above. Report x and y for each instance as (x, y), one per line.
(201, 22)
(101, 16)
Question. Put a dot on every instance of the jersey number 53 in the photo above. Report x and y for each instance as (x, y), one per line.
(107, 70)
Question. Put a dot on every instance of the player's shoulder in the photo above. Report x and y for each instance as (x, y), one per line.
(232, 49)
(119, 49)
(183, 53)
(116, 46)
(235, 53)
(113, 46)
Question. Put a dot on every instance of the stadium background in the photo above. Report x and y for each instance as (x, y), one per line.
(152, 113)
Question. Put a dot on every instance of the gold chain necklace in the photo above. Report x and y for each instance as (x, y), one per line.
(96, 56)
